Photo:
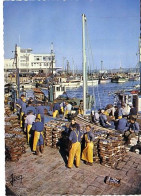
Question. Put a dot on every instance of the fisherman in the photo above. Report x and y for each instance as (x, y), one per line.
(73, 122)
(40, 111)
(95, 116)
(133, 110)
(75, 150)
(133, 129)
(62, 105)
(38, 142)
(56, 109)
(134, 126)
(67, 109)
(122, 111)
(104, 122)
(29, 120)
(21, 104)
(80, 110)
(30, 108)
(122, 125)
(87, 154)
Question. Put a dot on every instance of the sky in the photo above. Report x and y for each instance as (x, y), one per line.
(112, 30)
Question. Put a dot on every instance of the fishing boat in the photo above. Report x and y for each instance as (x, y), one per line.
(91, 82)
(104, 80)
(118, 79)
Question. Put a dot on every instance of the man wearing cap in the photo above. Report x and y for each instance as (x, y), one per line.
(87, 154)
(75, 150)
(38, 141)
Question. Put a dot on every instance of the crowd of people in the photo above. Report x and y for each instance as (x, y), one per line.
(117, 118)
(121, 118)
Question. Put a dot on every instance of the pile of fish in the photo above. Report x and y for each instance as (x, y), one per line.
(53, 133)
(111, 150)
(15, 140)
(99, 134)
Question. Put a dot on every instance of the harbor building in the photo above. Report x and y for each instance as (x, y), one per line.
(30, 62)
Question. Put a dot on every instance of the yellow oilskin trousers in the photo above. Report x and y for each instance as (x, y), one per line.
(21, 119)
(39, 116)
(36, 138)
(55, 113)
(80, 111)
(62, 109)
(28, 129)
(66, 113)
(74, 152)
(87, 154)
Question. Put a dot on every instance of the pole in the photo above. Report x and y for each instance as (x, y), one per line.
(140, 48)
(84, 63)
(52, 69)
(17, 73)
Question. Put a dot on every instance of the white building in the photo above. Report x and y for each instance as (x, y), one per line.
(29, 62)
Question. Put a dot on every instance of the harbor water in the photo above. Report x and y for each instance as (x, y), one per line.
(103, 93)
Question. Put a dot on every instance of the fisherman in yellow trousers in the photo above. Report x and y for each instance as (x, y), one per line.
(80, 111)
(87, 154)
(56, 109)
(21, 104)
(29, 120)
(75, 151)
(38, 141)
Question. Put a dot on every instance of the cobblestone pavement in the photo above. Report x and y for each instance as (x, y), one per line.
(47, 175)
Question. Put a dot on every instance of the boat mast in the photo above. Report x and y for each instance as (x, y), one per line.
(84, 62)
(17, 72)
(140, 47)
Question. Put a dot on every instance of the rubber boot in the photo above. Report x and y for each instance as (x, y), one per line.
(42, 148)
(37, 150)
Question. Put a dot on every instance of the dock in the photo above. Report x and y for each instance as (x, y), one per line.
(47, 174)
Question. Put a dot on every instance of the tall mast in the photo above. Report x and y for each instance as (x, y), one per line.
(140, 47)
(17, 72)
(84, 62)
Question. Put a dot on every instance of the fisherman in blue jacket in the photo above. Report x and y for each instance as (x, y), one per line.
(104, 122)
(38, 142)
(30, 108)
(40, 111)
(75, 151)
(56, 109)
(122, 125)
(21, 104)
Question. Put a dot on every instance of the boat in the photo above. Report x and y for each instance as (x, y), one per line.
(118, 79)
(92, 82)
(71, 84)
(104, 80)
